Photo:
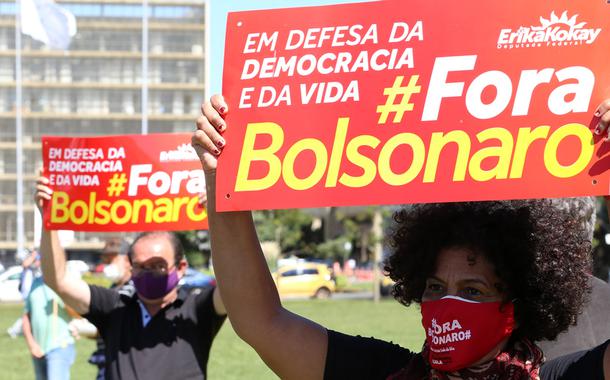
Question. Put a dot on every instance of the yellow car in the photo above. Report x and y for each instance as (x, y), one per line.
(304, 279)
(386, 285)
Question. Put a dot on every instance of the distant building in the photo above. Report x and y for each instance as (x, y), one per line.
(95, 88)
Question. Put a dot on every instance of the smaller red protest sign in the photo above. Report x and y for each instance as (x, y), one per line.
(123, 183)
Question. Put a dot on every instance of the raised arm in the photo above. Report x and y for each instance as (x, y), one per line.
(73, 291)
(292, 346)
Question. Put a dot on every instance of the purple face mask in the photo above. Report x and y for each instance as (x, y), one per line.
(153, 286)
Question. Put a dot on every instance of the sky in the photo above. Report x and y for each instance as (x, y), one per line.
(217, 13)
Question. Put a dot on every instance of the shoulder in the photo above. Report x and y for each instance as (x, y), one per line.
(586, 364)
(37, 291)
(199, 300)
(198, 304)
(357, 357)
(104, 301)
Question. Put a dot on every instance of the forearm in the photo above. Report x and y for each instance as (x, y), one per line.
(219, 306)
(73, 291)
(293, 347)
(53, 260)
(28, 261)
(248, 291)
(27, 332)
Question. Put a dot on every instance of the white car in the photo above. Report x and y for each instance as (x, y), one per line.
(9, 284)
(76, 268)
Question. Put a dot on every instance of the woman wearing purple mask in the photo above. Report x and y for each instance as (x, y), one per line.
(492, 278)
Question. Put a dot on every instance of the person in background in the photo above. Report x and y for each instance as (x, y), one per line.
(117, 269)
(31, 270)
(592, 326)
(46, 332)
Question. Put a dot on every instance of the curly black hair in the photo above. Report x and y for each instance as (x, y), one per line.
(539, 251)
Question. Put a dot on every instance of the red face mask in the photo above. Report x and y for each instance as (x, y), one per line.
(459, 332)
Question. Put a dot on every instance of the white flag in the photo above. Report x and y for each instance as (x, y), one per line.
(47, 22)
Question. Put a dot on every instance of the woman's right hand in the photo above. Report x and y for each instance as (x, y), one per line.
(43, 192)
(207, 139)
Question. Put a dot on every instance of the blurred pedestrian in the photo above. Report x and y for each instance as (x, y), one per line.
(31, 270)
(46, 332)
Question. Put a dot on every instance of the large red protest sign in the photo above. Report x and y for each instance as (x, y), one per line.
(123, 183)
(414, 101)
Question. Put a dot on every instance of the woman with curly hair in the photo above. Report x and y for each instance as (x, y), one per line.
(492, 278)
(526, 258)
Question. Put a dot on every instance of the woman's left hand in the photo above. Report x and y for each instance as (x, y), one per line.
(603, 113)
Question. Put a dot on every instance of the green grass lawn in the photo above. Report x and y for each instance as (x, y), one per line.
(15, 359)
(230, 357)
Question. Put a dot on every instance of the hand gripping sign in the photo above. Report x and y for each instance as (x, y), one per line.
(123, 183)
(412, 101)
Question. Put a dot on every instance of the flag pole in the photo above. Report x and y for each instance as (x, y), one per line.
(144, 67)
(19, 127)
